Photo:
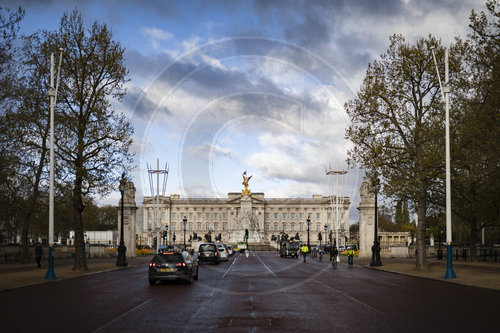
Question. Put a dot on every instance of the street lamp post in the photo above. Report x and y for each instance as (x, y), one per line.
(376, 246)
(445, 91)
(308, 229)
(184, 221)
(51, 274)
(326, 236)
(122, 249)
(440, 252)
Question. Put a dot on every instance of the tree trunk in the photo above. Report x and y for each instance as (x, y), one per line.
(474, 238)
(25, 251)
(80, 260)
(421, 211)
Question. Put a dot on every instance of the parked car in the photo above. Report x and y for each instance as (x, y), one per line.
(173, 266)
(209, 252)
(224, 255)
(230, 250)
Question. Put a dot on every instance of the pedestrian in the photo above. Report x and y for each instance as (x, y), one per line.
(333, 256)
(321, 252)
(38, 255)
(304, 250)
(350, 256)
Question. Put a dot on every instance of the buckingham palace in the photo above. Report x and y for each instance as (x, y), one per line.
(169, 216)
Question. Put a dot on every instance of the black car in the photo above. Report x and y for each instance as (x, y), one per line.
(172, 265)
(208, 252)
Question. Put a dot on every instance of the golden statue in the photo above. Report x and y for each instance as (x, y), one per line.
(245, 183)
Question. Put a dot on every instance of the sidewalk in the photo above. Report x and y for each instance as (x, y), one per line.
(475, 274)
(21, 275)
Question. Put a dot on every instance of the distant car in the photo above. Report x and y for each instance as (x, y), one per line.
(173, 266)
(209, 252)
(230, 250)
(224, 255)
(341, 248)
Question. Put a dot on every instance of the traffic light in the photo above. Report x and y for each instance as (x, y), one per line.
(319, 236)
(165, 235)
(174, 238)
(246, 233)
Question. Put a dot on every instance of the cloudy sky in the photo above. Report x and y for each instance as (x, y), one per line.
(220, 87)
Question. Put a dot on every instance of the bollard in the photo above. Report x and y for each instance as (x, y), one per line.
(464, 254)
(456, 254)
(484, 255)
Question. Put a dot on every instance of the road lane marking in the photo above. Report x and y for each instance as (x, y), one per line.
(267, 267)
(227, 270)
(124, 314)
(352, 298)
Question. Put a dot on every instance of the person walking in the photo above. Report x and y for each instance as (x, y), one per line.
(38, 255)
(350, 256)
(304, 250)
(333, 256)
(321, 253)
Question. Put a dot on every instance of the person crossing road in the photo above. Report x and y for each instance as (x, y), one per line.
(333, 257)
(304, 251)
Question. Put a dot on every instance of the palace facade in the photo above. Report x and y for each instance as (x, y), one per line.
(182, 217)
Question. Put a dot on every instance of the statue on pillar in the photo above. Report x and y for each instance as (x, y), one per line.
(246, 190)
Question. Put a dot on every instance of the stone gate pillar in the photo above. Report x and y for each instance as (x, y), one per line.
(129, 219)
(366, 220)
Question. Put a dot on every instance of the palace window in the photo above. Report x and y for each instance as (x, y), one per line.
(190, 216)
(301, 227)
(284, 226)
(207, 227)
(199, 216)
(173, 226)
(173, 216)
(216, 226)
(224, 227)
(216, 216)
(207, 216)
(267, 227)
(275, 216)
(190, 227)
(301, 215)
(292, 215)
(284, 215)
(199, 226)
(224, 216)
(275, 227)
(318, 215)
(293, 227)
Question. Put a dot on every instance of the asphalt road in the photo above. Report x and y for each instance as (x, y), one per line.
(262, 293)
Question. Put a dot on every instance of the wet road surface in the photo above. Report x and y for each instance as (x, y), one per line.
(262, 293)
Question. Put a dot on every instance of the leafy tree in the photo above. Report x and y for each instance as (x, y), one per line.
(396, 126)
(475, 149)
(385, 222)
(9, 26)
(92, 140)
(11, 199)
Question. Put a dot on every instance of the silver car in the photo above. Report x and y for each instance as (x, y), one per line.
(224, 254)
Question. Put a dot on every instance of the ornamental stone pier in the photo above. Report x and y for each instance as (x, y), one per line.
(366, 220)
(129, 219)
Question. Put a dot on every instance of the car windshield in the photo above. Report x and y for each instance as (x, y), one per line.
(207, 247)
(169, 257)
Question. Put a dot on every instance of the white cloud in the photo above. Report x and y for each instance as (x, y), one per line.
(157, 34)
